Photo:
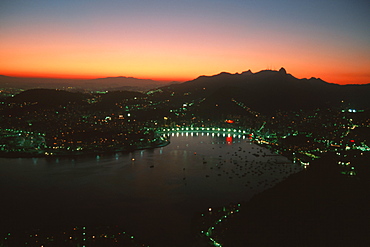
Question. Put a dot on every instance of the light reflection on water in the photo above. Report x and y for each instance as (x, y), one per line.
(141, 188)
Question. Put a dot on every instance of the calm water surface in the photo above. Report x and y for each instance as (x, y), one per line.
(153, 193)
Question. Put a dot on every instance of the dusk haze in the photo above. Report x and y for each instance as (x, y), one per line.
(180, 40)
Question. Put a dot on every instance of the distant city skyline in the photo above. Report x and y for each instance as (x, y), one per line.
(181, 40)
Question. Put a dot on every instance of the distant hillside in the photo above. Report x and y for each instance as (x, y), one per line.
(47, 97)
(109, 83)
(267, 91)
(111, 99)
(53, 97)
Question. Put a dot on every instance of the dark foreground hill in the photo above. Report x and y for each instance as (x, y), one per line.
(317, 207)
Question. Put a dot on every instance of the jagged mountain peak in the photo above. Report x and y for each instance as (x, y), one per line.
(282, 70)
(248, 72)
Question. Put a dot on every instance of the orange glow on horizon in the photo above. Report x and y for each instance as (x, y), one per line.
(177, 41)
(183, 59)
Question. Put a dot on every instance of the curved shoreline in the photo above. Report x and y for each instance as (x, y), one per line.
(158, 144)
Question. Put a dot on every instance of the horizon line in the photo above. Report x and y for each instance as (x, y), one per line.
(154, 79)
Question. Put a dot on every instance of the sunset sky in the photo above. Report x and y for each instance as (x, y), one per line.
(180, 40)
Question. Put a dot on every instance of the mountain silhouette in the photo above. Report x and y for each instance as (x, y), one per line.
(245, 93)
(268, 91)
